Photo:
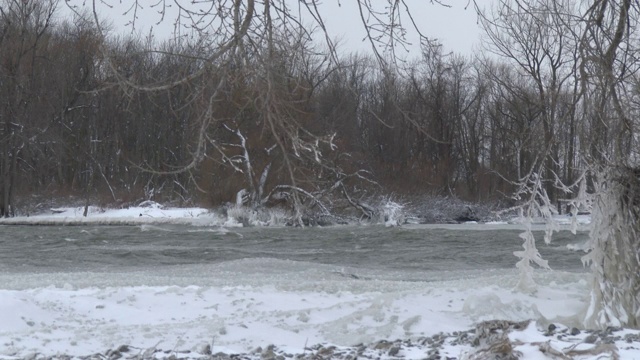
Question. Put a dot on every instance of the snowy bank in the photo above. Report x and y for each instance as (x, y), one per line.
(147, 213)
(295, 308)
(150, 212)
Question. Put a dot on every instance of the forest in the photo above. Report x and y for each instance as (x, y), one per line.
(120, 119)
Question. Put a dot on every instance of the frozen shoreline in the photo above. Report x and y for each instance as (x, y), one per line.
(151, 214)
(488, 340)
(155, 214)
(266, 308)
(262, 322)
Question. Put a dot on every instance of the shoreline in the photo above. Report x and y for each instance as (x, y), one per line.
(494, 339)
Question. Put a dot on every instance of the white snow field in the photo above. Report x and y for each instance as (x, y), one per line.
(245, 306)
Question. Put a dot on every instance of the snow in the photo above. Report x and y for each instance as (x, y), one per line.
(148, 213)
(64, 318)
(238, 306)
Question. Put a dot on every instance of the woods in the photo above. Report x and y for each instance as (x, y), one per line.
(182, 121)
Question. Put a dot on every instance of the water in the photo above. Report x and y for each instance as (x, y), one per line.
(82, 289)
(410, 251)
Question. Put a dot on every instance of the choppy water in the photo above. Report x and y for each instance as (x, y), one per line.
(407, 250)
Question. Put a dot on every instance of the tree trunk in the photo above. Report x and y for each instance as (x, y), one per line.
(7, 169)
(615, 251)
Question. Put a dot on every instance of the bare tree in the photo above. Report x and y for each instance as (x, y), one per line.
(609, 65)
(601, 45)
(539, 38)
(259, 38)
(24, 37)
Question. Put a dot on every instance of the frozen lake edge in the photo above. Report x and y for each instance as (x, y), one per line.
(250, 320)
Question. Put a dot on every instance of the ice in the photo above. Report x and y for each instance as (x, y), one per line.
(583, 246)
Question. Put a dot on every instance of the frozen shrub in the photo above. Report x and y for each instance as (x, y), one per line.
(391, 213)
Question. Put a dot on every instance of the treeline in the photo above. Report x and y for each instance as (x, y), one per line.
(121, 119)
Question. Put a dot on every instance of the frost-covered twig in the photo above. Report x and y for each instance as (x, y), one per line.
(536, 203)
(314, 198)
(392, 213)
(367, 211)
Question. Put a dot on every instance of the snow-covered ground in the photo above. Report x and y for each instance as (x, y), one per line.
(150, 212)
(147, 213)
(262, 308)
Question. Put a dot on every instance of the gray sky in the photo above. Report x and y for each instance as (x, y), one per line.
(455, 27)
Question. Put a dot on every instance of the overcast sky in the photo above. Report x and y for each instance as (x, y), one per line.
(456, 26)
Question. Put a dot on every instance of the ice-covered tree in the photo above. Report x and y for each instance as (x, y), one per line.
(609, 46)
(595, 43)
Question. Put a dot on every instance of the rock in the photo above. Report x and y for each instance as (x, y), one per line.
(394, 350)
(326, 351)
(205, 350)
(148, 353)
(632, 337)
(31, 356)
(551, 328)
(612, 329)
(269, 353)
(591, 339)
(574, 331)
(382, 345)
(59, 357)
(114, 355)
(433, 354)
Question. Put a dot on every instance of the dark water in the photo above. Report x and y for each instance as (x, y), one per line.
(43, 249)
